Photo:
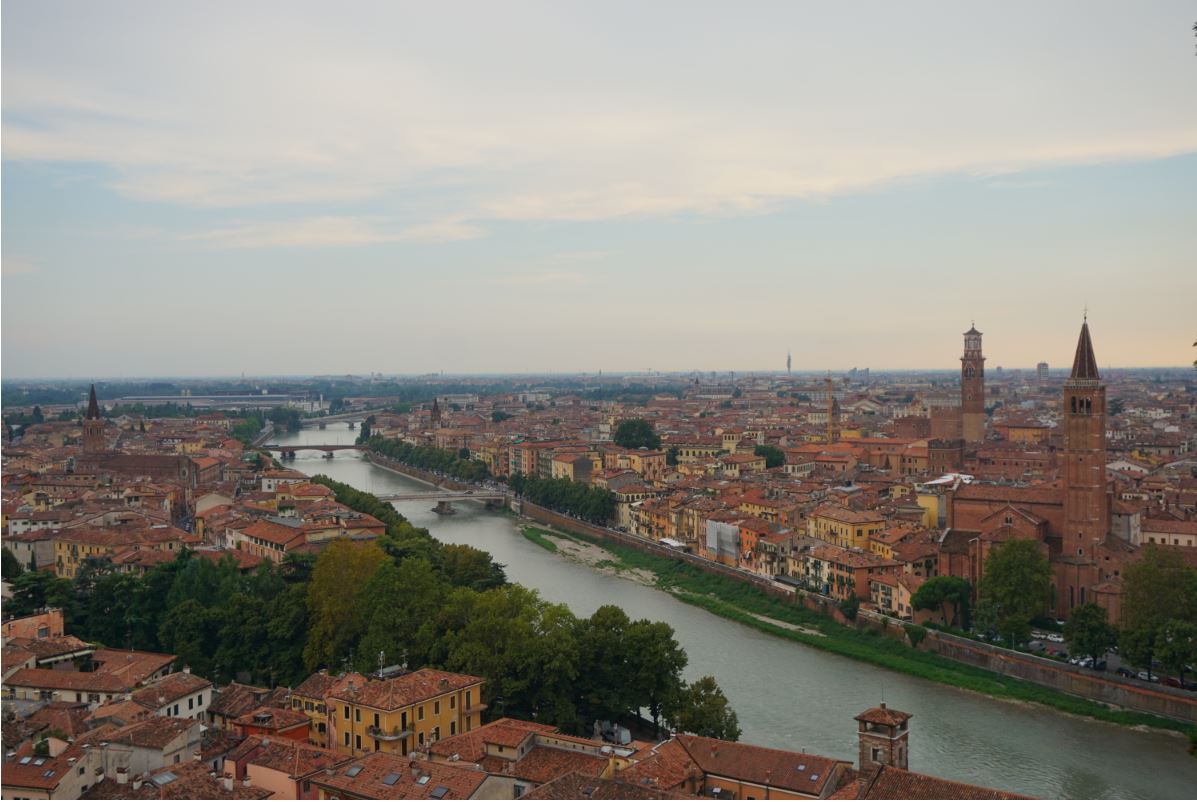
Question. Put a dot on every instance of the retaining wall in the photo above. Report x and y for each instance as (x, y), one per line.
(1129, 694)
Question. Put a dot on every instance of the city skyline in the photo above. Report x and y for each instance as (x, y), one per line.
(415, 194)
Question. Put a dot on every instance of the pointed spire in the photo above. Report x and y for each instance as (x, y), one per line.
(1084, 364)
(93, 406)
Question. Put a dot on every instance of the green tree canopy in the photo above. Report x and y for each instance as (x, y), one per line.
(342, 573)
(1088, 631)
(1017, 580)
(773, 455)
(11, 565)
(636, 433)
(939, 591)
(704, 710)
(1158, 589)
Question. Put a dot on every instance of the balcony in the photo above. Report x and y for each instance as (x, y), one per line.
(474, 708)
(394, 735)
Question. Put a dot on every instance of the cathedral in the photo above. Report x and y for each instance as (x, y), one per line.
(1070, 517)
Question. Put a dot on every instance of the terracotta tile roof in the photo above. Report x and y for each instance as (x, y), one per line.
(380, 775)
(169, 688)
(884, 716)
(392, 694)
(27, 770)
(155, 732)
(181, 781)
(887, 782)
(293, 758)
(665, 766)
(85, 681)
(133, 667)
(273, 718)
(543, 763)
(796, 772)
(235, 700)
(471, 746)
(575, 785)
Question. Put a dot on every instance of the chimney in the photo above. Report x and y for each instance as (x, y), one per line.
(136, 783)
(883, 705)
(227, 782)
(186, 669)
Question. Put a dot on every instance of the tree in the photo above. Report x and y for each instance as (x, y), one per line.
(773, 455)
(1177, 645)
(850, 606)
(671, 456)
(38, 417)
(985, 618)
(937, 591)
(1157, 589)
(636, 433)
(342, 572)
(1088, 631)
(1017, 580)
(603, 645)
(12, 567)
(703, 710)
(498, 416)
(655, 672)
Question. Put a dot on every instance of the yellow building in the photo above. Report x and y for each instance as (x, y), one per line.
(310, 698)
(403, 713)
(848, 529)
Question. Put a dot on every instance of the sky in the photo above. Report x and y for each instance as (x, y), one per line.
(300, 188)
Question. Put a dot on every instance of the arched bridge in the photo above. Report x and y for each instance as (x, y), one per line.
(288, 452)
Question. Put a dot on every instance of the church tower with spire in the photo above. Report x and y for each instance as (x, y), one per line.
(93, 427)
(1086, 510)
(972, 388)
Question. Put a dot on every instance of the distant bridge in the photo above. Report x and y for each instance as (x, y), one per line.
(352, 418)
(288, 452)
(446, 495)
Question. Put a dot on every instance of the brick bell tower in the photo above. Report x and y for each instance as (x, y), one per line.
(93, 427)
(884, 736)
(1086, 510)
(972, 388)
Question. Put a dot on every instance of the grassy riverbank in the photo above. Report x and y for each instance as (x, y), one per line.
(742, 603)
(536, 536)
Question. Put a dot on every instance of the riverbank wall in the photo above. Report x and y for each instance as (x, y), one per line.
(1127, 694)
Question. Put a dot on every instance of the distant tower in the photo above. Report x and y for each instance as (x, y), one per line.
(436, 412)
(833, 413)
(788, 362)
(93, 427)
(1041, 373)
(884, 737)
(1086, 515)
(972, 388)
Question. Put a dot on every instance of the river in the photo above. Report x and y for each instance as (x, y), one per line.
(789, 696)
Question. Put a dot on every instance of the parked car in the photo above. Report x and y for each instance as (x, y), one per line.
(1171, 682)
(1085, 662)
(1100, 665)
(1054, 638)
(1124, 671)
(1147, 676)
(1036, 645)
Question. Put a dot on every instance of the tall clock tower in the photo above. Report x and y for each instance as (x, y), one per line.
(972, 388)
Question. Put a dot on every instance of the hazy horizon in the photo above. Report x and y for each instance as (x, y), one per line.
(301, 189)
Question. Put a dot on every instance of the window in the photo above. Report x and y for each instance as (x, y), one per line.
(346, 712)
(357, 741)
(436, 708)
(347, 739)
(452, 727)
(420, 713)
(421, 739)
(376, 745)
(191, 703)
(176, 758)
(876, 754)
(452, 702)
(357, 715)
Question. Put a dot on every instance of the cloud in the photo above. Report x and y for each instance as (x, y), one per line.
(545, 277)
(17, 266)
(329, 232)
(562, 119)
